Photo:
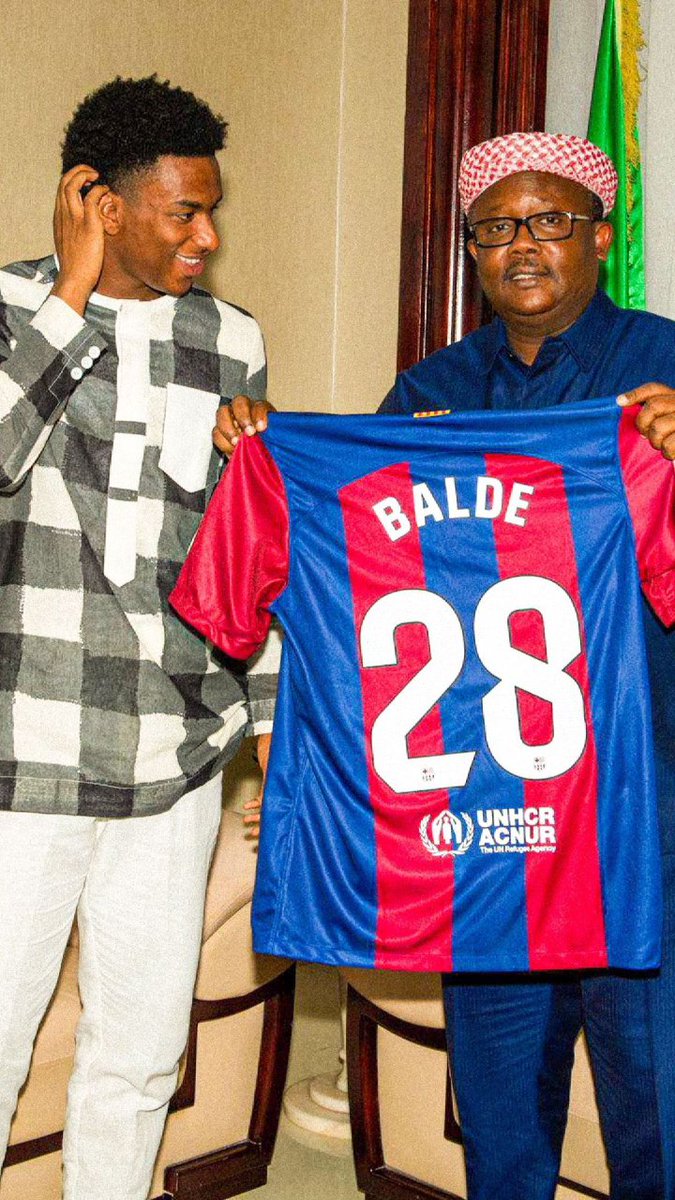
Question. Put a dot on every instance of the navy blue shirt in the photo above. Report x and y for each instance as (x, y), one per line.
(609, 350)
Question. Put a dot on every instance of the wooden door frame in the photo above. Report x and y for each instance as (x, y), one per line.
(476, 69)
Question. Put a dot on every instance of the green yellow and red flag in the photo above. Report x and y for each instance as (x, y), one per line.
(613, 125)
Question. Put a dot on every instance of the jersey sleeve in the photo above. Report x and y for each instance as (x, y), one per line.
(238, 563)
(649, 481)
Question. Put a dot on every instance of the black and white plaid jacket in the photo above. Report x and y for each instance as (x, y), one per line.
(109, 705)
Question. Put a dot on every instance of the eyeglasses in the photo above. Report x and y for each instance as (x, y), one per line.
(543, 227)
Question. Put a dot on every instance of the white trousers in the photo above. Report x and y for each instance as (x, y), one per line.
(138, 887)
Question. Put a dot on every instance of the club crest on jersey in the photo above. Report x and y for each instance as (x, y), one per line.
(445, 834)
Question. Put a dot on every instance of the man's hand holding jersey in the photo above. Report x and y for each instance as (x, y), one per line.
(657, 418)
(241, 416)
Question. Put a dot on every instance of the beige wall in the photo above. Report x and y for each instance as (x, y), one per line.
(314, 91)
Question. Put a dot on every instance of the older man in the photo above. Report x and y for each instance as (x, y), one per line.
(537, 207)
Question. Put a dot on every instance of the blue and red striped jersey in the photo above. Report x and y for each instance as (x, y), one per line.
(461, 775)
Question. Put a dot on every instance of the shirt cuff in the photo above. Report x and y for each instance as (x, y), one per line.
(58, 322)
(261, 716)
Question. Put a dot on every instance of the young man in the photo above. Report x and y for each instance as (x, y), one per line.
(536, 207)
(116, 718)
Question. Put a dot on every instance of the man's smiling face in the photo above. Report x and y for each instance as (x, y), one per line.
(160, 228)
(547, 284)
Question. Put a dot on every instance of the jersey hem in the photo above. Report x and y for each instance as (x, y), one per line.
(648, 959)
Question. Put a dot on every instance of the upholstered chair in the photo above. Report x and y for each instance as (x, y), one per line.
(407, 1139)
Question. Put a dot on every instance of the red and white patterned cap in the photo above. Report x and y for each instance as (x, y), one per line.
(561, 154)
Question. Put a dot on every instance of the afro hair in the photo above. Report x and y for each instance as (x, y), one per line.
(127, 124)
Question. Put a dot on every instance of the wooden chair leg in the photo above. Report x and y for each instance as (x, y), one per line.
(373, 1176)
(237, 1168)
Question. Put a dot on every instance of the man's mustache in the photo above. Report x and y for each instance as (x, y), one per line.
(526, 268)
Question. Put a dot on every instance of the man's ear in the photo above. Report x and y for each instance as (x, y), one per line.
(472, 248)
(111, 209)
(604, 236)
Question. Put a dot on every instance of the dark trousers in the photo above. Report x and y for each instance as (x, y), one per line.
(511, 1043)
